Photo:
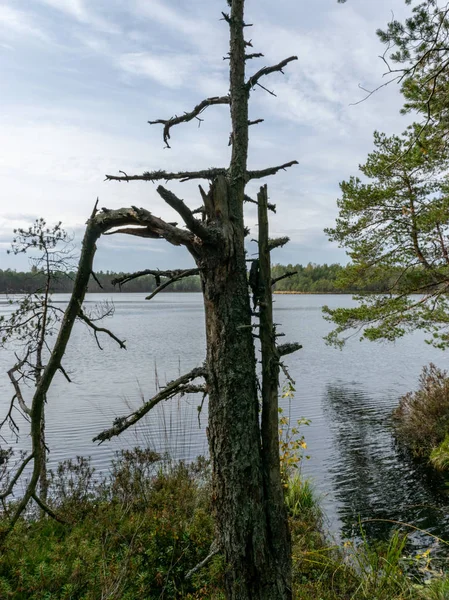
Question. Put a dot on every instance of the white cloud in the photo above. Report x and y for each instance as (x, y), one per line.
(15, 22)
(73, 116)
(78, 10)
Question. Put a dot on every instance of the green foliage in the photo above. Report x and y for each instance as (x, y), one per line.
(420, 53)
(422, 417)
(117, 546)
(396, 222)
(291, 442)
(439, 457)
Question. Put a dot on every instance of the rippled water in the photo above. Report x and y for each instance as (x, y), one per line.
(348, 395)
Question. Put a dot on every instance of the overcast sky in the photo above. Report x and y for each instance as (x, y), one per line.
(81, 78)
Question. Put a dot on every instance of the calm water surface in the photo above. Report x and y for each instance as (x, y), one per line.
(348, 395)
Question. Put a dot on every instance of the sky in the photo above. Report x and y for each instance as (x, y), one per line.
(80, 79)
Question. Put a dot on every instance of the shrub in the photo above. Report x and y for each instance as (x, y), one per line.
(422, 417)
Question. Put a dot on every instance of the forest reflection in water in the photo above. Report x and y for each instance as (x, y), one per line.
(375, 480)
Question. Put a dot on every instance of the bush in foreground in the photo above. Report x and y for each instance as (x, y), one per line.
(136, 535)
(422, 417)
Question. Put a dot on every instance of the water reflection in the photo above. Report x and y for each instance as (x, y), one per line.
(372, 477)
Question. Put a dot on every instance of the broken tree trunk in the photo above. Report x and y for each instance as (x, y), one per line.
(277, 514)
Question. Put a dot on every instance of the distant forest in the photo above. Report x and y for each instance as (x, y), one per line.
(311, 278)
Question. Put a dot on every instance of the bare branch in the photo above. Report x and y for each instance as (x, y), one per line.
(96, 279)
(145, 232)
(64, 372)
(195, 226)
(254, 55)
(270, 206)
(166, 176)
(174, 277)
(16, 385)
(267, 70)
(48, 510)
(284, 276)
(213, 550)
(277, 242)
(255, 122)
(188, 116)
(269, 171)
(97, 329)
(16, 477)
(288, 348)
(155, 273)
(172, 389)
(150, 225)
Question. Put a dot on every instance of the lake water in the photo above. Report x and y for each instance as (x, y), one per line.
(348, 395)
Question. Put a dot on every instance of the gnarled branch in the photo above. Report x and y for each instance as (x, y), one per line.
(267, 70)
(270, 206)
(284, 276)
(269, 171)
(175, 277)
(167, 176)
(188, 116)
(96, 330)
(156, 273)
(204, 233)
(277, 242)
(288, 348)
(171, 389)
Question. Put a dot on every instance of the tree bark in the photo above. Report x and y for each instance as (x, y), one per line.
(278, 529)
(239, 494)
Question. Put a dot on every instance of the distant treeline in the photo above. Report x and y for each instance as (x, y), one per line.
(311, 278)
(16, 282)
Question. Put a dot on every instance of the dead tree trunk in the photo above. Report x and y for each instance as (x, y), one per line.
(277, 515)
(252, 529)
(242, 506)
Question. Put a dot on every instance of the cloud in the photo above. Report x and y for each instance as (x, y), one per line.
(76, 9)
(171, 71)
(14, 23)
(69, 116)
